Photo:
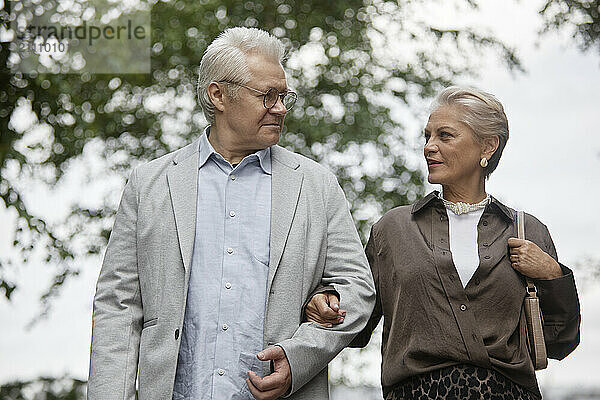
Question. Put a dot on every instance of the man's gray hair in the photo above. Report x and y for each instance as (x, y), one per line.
(225, 59)
(480, 111)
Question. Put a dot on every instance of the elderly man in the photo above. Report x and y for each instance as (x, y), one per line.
(217, 246)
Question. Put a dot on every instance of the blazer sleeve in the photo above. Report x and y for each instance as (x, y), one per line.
(117, 315)
(560, 308)
(363, 338)
(312, 346)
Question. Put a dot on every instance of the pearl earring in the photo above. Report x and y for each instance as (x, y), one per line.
(483, 162)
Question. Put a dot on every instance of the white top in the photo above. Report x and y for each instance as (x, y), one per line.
(463, 242)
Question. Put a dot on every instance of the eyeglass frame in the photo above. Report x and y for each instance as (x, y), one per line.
(281, 95)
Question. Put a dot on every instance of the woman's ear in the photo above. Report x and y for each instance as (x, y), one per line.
(216, 96)
(489, 146)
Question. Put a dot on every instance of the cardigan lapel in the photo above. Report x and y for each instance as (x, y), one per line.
(182, 178)
(286, 181)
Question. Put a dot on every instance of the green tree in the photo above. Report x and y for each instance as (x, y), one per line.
(580, 17)
(44, 389)
(352, 62)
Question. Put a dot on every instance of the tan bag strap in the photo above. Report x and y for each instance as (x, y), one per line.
(533, 313)
(521, 235)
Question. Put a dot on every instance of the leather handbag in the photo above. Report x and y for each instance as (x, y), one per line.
(533, 313)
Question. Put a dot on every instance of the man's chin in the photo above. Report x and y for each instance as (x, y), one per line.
(272, 139)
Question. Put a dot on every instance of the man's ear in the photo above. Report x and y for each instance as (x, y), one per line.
(216, 95)
(489, 146)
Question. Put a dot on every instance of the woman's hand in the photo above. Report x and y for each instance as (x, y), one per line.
(324, 309)
(527, 258)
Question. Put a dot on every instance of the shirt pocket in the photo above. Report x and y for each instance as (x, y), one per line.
(248, 362)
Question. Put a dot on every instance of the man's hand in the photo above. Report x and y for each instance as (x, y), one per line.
(324, 309)
(275, 385)
(527, 258)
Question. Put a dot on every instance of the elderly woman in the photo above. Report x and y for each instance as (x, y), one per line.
(449, 272)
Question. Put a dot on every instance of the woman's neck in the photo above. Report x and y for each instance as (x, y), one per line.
(469, 195)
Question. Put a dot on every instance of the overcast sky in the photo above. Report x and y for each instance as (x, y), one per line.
(549, 168)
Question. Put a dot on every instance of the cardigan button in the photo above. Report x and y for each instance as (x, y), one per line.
(484, 223)
(463, 307)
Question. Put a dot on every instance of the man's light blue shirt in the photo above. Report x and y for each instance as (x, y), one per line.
(224, 315)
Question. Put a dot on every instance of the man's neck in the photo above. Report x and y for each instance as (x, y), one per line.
(225, 149)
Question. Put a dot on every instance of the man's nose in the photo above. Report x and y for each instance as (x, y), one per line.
(278, 108)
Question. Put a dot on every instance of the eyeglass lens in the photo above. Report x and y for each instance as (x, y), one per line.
(288, 99)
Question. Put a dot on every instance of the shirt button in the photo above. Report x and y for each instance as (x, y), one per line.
(225, 327)
(229, 250)
(221, 371)
(233, 177)
(232, 214)
(227, 285)
(463, 307)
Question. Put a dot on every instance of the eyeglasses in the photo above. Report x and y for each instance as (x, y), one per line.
(288, 99)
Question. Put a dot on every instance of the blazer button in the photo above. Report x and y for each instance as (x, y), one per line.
(176, 334)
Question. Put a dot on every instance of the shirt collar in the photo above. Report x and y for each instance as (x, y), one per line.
(432, 198)
(205, 150)
(264, 157)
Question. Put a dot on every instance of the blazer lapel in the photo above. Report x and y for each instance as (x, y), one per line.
(286, 182)
(182, 178)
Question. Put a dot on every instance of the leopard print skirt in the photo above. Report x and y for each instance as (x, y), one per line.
(459, 382)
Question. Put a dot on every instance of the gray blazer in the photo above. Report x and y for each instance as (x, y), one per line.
(141, 292)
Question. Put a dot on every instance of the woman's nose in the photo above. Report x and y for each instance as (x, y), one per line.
(430, 147)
